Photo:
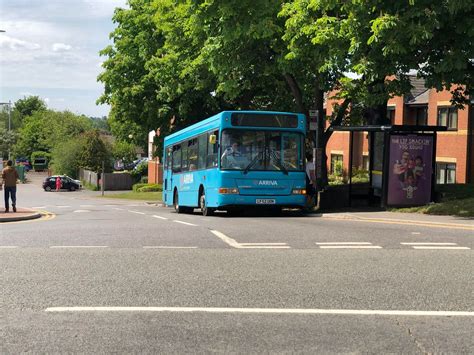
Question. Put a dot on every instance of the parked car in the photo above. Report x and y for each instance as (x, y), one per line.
(25, 162)
(66, 183)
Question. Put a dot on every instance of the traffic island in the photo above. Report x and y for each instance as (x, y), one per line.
(22, 214)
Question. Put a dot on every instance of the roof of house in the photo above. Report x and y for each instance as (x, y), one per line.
(418, 93)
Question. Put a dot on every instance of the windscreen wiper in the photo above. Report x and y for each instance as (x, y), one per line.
(252, 162)
(278, 162)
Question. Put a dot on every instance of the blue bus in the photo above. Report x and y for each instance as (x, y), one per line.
(236, 159)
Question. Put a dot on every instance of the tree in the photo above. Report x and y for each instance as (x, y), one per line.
(45, 129)
(28, 105)
(66, 157)
(125, 151)
(94, 152)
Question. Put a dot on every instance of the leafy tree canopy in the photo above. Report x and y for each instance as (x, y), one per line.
(45, 129)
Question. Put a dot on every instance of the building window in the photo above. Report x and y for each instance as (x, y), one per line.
(421, 116)
(448, 116)
(445, 173)
(336, 164)
(391, 114)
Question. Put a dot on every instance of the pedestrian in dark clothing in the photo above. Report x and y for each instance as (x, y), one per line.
(9, 177)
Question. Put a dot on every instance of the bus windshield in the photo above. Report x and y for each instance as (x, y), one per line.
(249, 150)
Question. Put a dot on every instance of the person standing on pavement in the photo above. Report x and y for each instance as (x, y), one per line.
(310, 180)
(9, 177)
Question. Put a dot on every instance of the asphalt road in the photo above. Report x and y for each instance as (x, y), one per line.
(252, 284)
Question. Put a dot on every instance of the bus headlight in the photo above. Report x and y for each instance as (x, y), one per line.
(228, 191)
(298, 191)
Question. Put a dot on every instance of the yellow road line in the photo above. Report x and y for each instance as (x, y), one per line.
(45, 216)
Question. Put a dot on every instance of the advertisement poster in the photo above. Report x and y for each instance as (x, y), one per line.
(411, 162)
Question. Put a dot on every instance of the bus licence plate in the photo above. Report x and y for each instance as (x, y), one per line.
(265, 201)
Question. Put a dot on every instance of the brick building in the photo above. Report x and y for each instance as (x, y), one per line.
(454, 151)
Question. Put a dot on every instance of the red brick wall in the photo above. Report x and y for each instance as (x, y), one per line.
(155, 172)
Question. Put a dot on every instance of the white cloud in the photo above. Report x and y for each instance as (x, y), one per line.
(59, 47)
(17, 44)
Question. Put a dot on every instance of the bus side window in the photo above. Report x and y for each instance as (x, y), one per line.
(212, 151)
(202, 139)
(193, 154)
(169, 155)
(177, 158)
(184, 159)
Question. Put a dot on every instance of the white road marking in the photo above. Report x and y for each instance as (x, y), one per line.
(167, 247)
(119, 209)
(350, 247)
(186, 223)
(159, 217)
(59, 206)
(363, 312)
(344, 243)
(266, 247)
(441, 248)
(428, 243)
(245, 244)
(80, 211)
(39, 207)
(86, 205)
(235, 244)
(77, 246)
(135, 212)
(8, 247)
(415, 233)
(228, 240)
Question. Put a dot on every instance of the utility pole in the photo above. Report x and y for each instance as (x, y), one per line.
(9, 104)
(102, 180)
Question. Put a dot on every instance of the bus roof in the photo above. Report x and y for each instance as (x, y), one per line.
(213, 122)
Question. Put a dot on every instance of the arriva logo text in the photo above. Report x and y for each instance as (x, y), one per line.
(267, 183)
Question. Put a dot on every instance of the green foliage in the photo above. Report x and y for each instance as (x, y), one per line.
(124, 150)
(44, 129)
(40, 154)
(94, 152)
(150, 188)
(137, 186)
(28, 105)
(66, 158)
(360, 176)
(142, 168)
(147, 187)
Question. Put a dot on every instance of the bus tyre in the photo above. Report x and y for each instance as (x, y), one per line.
(177, 207)
(206, 211)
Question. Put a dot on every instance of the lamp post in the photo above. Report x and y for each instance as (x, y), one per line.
(9, 103)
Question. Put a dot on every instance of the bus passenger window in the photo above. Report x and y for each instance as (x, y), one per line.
(184, 159)
(212, 151)
(202, 139)
(193, 154)
(177, 158)
(169, 155)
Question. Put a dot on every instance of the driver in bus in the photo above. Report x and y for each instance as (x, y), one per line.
(228, 157)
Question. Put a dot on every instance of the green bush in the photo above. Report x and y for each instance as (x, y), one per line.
(360, 176)
(144, 180)
(135, 187)
(150, 188)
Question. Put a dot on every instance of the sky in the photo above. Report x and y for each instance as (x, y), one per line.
(51, 49)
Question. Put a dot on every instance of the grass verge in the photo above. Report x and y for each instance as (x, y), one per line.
(454, 200)
(132, 195)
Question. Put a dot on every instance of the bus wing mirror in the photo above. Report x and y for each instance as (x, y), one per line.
(212, 139)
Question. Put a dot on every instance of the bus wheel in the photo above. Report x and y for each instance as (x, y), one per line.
(206, 211)
(177, 207)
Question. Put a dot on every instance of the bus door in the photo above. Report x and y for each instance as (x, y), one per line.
(168, 176)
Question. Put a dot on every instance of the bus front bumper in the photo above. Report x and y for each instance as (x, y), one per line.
(296, 201)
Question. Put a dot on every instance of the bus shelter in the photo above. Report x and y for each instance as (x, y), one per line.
(402, 163)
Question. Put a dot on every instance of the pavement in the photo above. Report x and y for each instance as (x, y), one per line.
(22, 214)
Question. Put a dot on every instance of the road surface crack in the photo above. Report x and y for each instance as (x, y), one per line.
(418, 343)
